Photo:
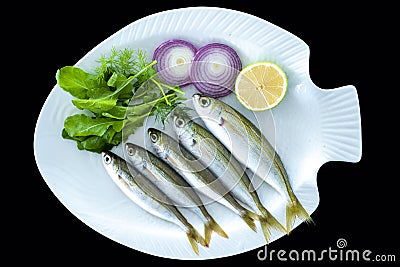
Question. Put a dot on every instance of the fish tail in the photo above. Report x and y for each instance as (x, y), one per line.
(194, 238)
(212, 226)
(268, 222)
(294, 210)
(249, 218)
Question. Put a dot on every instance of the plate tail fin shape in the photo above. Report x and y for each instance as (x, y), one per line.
(340, 124)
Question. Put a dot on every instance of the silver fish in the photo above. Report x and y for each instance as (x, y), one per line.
(251, 148)
(209, 150)
(197, 174)
(173, 185)
(142, 192)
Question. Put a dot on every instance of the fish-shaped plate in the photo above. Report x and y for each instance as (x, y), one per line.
(310, 127)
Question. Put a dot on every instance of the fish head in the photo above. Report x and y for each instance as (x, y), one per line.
(207, 107)
(187, 132)
(155, 137)
(133, 153)
(161, 142)
(181, 126)
(109, 160)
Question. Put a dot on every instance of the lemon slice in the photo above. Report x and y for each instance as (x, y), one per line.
(261, 86)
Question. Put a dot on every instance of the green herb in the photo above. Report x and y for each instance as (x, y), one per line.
(79, 83)
(152, 99)
(122, 93)
(125, 61)
(162, 110)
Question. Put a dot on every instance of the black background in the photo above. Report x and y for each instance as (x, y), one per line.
(350, 45)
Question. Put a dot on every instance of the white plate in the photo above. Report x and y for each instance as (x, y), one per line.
(312, 126)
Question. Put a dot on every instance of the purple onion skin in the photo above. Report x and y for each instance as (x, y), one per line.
(205, 82)
(163, 70)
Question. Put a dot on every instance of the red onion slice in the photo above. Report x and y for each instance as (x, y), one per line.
(214, 69)
(174, 58)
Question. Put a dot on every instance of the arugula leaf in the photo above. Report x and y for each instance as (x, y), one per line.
(79, 125)
(79, 83)
(117, 112)
(118, 96)
(103, 102)
(133, 122)
(65, 135)
(117, 80)
(94, 144)
(113, 137)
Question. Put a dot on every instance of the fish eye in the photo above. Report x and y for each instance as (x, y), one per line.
(204, 101)
(153, 137)
(107, 159)
(131, 150)
(180, 122)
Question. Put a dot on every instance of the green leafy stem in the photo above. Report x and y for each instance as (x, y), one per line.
(121, 95)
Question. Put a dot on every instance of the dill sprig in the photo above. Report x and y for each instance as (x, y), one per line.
(125, 61)
(163, 109)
